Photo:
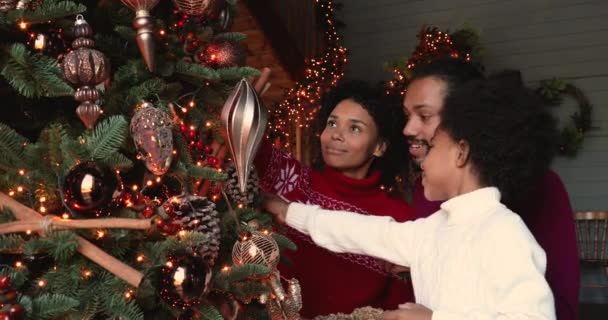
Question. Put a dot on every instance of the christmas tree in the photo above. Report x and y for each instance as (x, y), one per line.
(117, 210)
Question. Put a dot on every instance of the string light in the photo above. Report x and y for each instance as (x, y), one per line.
(65, 216)
(140, 258)
(100, 234)
(21, 172)
(22, 25)
(433, 43)
(41, 283)
(225, 269)
(18, 264)
(320, 74)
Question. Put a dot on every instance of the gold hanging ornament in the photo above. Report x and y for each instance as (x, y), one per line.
(199, 7)
(260, 248)
(7, 5)
(85, 67)
(144, 24)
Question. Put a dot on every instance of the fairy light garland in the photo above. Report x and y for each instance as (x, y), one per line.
(321, 73)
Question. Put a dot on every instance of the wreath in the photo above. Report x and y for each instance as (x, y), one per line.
(572, 135)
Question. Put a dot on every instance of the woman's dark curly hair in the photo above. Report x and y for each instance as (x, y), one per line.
(389, 119)
(511, 134)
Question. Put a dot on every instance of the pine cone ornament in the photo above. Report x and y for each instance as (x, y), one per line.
(232, 187)
(196, 213)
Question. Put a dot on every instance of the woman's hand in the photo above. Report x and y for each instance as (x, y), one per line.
(277, 206)
(409, 311)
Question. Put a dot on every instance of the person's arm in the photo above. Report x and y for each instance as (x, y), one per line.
(514, 266)
(342, 231)
(278, 171)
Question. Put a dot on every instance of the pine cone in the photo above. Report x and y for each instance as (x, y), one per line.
(196, 213)
(232, 186)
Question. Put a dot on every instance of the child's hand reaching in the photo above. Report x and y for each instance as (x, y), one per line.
(409, 311)
(277, 206)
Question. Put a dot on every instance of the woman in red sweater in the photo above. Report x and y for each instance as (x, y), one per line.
(362, 153)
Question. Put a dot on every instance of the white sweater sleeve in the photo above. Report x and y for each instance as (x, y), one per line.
(514, 266)
(341, 231)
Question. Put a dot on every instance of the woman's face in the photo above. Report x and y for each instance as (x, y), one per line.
(350, 140)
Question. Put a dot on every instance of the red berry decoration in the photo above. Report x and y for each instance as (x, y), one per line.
(17, 311)
(222, 54)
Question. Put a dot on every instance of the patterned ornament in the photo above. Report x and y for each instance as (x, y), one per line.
(222, 54)
(244, 118)
(199, 7)
(90, 189)
(185, 280)
(151, 132)
(7, 5)
(367, 313)
(194, 213)
(256, 247)
(85, 67)
(231, 186)
(144, 24)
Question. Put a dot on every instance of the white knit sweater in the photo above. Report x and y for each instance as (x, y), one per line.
(473, 259)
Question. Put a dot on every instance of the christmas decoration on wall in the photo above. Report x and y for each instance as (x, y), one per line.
(222, 54)
(85, 67)
(231, 186)
(144, 24)
(434, 44)
(9, 308)
(185, 280)
(321, 73)
(153, 137)
(244, 118)
(260, 248)
(90, 189)
(200, 7)
(194, 213)
(573, 134)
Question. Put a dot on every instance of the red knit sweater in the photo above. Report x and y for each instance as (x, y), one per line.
(333, 282)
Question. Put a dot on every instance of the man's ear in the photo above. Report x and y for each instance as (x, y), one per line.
(464, 151)
(380, 149)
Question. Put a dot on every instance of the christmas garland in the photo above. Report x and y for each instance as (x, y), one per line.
(573, 134)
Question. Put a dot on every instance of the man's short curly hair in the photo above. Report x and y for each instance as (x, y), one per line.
(388, 117)
(511, 133)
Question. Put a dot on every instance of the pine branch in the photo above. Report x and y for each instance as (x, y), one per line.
(208, 312)
(118, 161)
(194, 73)
(51, 306)
(230, 36)
(34, 76)
(249, 289)
(205, 173)
(11, 147)
(151, 88)
(11, 242)
(284, 242)
(107, 137)
(62, 245)
(72, 152)
(49, 10)
(116, 306)
(237, 73)
(18, 276)
(245, 271)
(125, 32)
(6, 215)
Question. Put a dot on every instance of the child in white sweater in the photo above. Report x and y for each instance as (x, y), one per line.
(474, 258)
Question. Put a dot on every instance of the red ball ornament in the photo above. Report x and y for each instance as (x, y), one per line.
(212, 161)
(5, 283)
(5, 315)
(199, 145)
(17, 312)
(148, 212)
(183, 128)
(207, 149)
(222, 54)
